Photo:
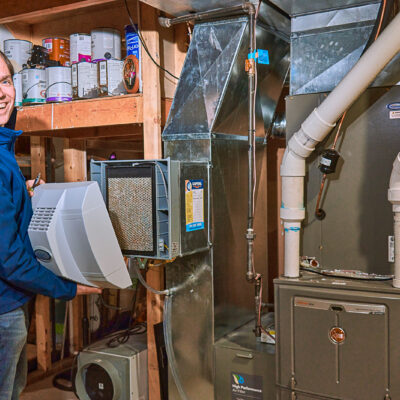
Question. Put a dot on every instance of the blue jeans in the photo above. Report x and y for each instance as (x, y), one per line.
(13, 359)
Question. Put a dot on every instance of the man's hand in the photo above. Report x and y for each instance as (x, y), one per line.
(29, 185)
(82, 289)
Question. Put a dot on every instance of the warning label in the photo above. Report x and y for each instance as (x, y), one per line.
(245, 387)
(194, 204)
(394, 114)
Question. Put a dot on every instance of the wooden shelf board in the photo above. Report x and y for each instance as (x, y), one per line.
(105, 117)
(28, 11)
(97, 112)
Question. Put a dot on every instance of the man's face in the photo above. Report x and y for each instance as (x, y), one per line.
(7, 93)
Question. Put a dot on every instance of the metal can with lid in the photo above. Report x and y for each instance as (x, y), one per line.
(18, 51)
(58, 84)
(84, 80)
(111, 79)
(106, 44)
(17, 80)
(58, 49)
(80, 47)
(33, 86)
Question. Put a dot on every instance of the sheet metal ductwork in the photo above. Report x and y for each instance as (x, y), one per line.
(209, 122)
(212, 92)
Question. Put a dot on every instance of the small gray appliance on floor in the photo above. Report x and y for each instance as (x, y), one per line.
(337, 339)
(244, 368)
(113, 373)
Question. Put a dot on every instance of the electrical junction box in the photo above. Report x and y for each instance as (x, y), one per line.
(159, 208)
(111, 372)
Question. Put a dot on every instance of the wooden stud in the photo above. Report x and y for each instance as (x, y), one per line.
(42, 305)
(152, 150)
(75, 171)
(181, 46)
(43, 333)
(151, 84)
(38, 157)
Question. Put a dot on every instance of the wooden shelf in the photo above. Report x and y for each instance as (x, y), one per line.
(64, 119)
(35, 11)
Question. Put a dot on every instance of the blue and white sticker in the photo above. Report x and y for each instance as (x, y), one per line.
(394, 106)
(194, 204)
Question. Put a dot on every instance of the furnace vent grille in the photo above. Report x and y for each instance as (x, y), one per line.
(41, 219)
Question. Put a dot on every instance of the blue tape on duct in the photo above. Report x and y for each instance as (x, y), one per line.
(293, 229)
(261, 56)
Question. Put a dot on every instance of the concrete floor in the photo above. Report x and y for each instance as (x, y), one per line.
(44, 390)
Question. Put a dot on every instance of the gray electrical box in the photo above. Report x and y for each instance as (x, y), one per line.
(158, 208)
(337, 339)
(245, 367)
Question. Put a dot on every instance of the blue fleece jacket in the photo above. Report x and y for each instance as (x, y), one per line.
(21, 275)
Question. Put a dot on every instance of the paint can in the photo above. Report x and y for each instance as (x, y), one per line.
(33, 86)
(81, 47)
(17, 80)
(58, 84)
(84, 80)
(130, 74)
(58, 49)
(111, 80)
(106, 44)
(18, 51)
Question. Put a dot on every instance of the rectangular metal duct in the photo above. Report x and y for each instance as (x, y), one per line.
(327, 39)
(211, 96)
(302, 7)
(208, 122)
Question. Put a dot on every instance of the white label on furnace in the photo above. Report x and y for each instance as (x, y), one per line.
(394, 114)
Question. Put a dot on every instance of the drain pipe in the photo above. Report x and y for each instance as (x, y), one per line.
(316, 127)
(394, 198)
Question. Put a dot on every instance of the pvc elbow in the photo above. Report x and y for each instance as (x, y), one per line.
(292, 164)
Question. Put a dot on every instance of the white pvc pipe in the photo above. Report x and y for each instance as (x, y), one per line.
(394, 198)
(396, 279)
(319, 124)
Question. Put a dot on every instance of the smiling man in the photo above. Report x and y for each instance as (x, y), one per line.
(21, 275)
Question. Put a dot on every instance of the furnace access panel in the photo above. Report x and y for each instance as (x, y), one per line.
(159, 208)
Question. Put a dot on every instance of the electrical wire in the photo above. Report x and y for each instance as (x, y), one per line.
(144, 43)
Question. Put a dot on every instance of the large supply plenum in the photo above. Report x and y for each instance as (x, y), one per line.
(158, 208)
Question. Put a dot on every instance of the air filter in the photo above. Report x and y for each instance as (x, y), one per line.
(131, 205)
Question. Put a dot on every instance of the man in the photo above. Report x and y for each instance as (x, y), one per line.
(21, 275)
